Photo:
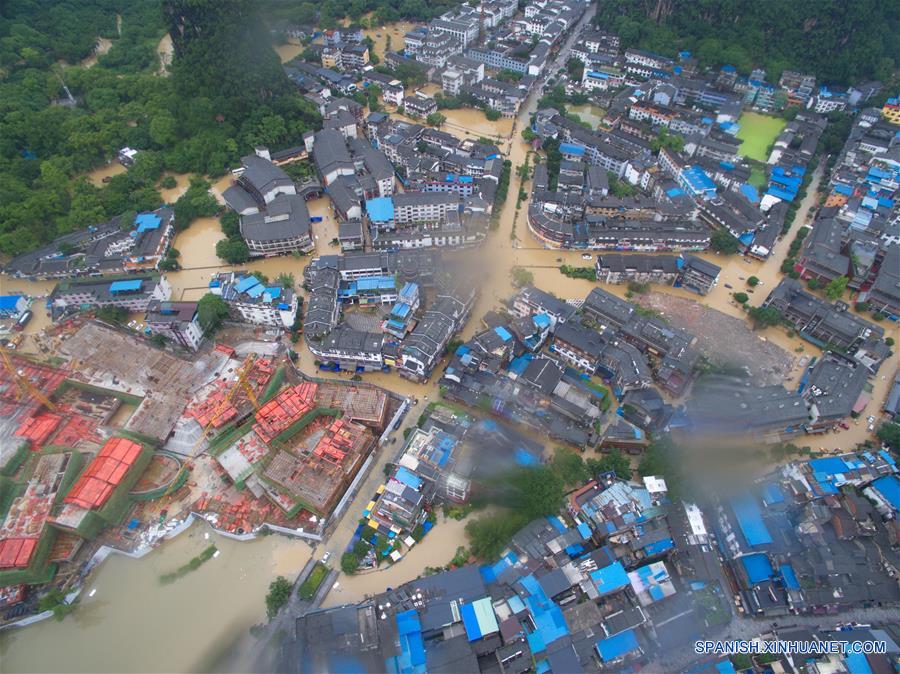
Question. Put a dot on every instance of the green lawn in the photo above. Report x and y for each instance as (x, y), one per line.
(758, 132)
(757, 178)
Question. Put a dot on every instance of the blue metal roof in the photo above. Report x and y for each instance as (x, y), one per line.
(610, 578)
(407, 477)
(401, 309)
(125, 286)
(789, 577)
(9, 302)
(147, 221)
(246, 283)
(618, 645)
(749, 518)
(570, 148)
(380, 209)
(889, 487)
(503, 333)
(758, 567)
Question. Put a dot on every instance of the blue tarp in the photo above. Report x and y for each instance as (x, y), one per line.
(125, 286)
(584, 530)
(246, 283)
(147, 221)
(857, 663)
(758, 567)
(8, 302)
(503, 333)
(845, 190)
(659, 547)
(380, 209)
(549, 622)
(771, 494)
(889, 487)
(725, 667)
(557, 523)
(750, 520)
(618, 645)
(789, 577)
(570, 148)
(524, 458)
(470, 621)
(407, 477)
(610, 578)
(541, 320)
(412, 648)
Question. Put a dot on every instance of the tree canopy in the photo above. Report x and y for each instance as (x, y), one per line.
(227, 93)
(840, 42)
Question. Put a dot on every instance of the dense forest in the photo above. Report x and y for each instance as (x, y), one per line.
(226, 94)
(330, 13)
(840, 41)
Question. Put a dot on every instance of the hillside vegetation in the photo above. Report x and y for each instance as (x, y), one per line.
(840, 41)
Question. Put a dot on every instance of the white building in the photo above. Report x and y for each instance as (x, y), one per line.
(178, 321)
(255, 302)
(132, 293)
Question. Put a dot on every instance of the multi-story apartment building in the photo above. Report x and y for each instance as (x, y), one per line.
(132, 293)
(254, 302)
(281, 229)
(178, 321)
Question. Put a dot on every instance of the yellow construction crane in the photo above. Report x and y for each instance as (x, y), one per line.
(241, 382)
(23, 385)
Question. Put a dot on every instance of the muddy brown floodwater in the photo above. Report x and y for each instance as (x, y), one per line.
(135, 624)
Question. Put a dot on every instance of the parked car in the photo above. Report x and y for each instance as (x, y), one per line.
(585, 256)
(729, 286)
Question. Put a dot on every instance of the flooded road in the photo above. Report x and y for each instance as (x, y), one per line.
(135, 624)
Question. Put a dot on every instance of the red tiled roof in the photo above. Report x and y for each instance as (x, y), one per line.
(38, 428)
(284, 409)
(104, 473)
(16, 552)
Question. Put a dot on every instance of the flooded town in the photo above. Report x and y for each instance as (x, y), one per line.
(516, 348)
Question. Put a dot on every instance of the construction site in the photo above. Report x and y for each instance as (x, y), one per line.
(113, 442)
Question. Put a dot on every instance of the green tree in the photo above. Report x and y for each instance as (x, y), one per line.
(111, 314)
(233, 251)
(741, 298)
(615, 462)
(723, 242)
(836, 287)
(536, 492)
(279, 595)
(569, 466)
(349, 563)
(211, 311)
(489, 535)
(889, 433)
(435, 119)
(195, 203)
(522, 277)
(575, 68)
(752, 281)
(764, 316)
(285, 280)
